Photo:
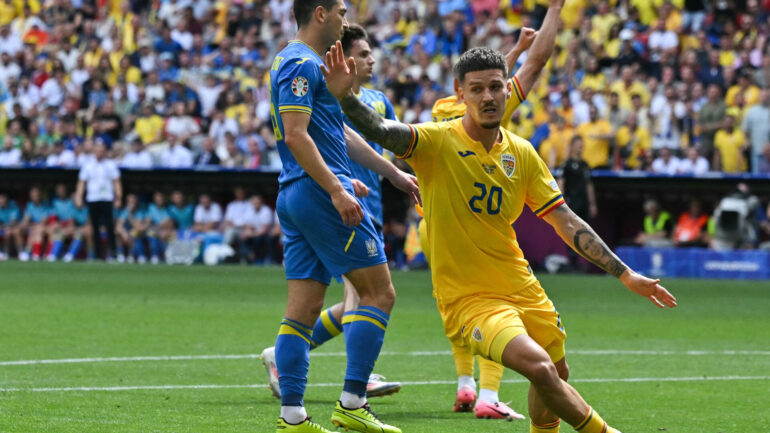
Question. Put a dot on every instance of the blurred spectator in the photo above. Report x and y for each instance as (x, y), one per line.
(207, 216)
(693, 163)
(33, 222)
(690, 229)
(9, 220)
(666, 162)
(130, 228)
(149, 126)
(730, 144)
(10, 156)
(575, 182)
(161, 227)
(138, 157)
(254, 241)
(756, 126)
(208, 155)
(237, 215)
(632, 142)
(596, 135)
(667, 115)
(176, 155)
(764, 163)
(711, 118)
(656, 231)
(554, 149)
(180, 211)
(60, 157)
(180, 124)
(99, 184)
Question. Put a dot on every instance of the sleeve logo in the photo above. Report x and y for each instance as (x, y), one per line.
(509, 164)
(299, 87)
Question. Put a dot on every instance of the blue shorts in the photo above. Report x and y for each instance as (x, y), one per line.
(318, 245)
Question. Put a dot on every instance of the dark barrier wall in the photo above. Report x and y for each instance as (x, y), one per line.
(620, 196)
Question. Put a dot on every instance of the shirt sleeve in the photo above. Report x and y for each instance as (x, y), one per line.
(83, 174)
(426, 142)
(543, 194)
(298, 80)
(517, 97)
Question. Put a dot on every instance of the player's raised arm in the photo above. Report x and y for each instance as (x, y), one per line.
(541, 47)
(340, 74)
(584, 240)
(363, 154)
(526, 37)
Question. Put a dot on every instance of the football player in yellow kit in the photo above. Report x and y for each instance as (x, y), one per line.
(488, 404)
(475, 178)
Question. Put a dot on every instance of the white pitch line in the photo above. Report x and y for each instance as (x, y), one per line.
(416, 353)
(414, 383)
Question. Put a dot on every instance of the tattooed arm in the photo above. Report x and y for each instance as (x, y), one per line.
(584, 240)
(392, 135)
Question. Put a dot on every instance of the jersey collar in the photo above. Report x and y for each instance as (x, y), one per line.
(297, 41)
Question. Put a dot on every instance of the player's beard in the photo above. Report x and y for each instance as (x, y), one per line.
(491, 125)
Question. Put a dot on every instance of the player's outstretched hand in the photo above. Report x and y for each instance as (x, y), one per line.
(526, 37)
(339, 72)
(360, 188)
(408, 184)
(649, 288)
(348, 207)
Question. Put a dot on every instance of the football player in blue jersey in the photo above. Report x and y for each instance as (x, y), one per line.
(9, 219)
(355, 41)
(328, 232)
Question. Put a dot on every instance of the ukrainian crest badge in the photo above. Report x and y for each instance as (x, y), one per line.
(299, 86)
(509, 164)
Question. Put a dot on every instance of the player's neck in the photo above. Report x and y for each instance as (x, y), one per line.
(487, 137)
(306, 36)
(357, 87)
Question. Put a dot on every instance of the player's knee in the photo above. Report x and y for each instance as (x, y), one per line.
(543, 374)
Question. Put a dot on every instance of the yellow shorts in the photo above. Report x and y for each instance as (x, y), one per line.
(485, 323)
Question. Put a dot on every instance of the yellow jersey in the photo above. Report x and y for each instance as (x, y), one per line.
(730, 145)
(471, 197)
(448, 108)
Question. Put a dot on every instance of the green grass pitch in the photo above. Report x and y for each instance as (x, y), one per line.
(701, 368)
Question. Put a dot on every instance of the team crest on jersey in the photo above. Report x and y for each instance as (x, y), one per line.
(371, 247)
(509, 164)
(477, 334)
(299, 87)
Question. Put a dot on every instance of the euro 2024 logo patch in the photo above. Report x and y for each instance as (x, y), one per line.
(299, 87)
(509, 164)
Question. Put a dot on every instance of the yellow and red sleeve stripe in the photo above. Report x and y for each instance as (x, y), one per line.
(412, 145)
(517, 89)
(551, 205)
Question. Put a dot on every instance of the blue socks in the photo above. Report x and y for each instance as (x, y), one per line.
(364, 334)
(292, 358)
(56, 248)
(326, 328)
(138, 247)
(75, 247)
(154, 246)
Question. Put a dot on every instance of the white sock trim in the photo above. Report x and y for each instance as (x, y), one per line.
(466, 381)
(351, 401)
(488, 396)
(293, 414)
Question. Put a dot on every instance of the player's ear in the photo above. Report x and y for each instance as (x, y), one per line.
(458, 90)
(320, 14)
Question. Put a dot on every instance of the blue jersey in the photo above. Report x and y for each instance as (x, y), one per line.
(63, 210)
(9, 214)
(37, 213)
(297, 84)
(379, 103)
(157, 214)
(80, 215)
(183, 217)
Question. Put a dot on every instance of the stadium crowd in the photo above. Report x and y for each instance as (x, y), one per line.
(669, 86)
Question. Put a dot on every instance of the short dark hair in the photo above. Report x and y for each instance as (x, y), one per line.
(479, 59)
(353, 33)
(303, 9)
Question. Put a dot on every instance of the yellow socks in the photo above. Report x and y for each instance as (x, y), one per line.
(548, 428)
(491, 374)
(593, 423)
(463, 361)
